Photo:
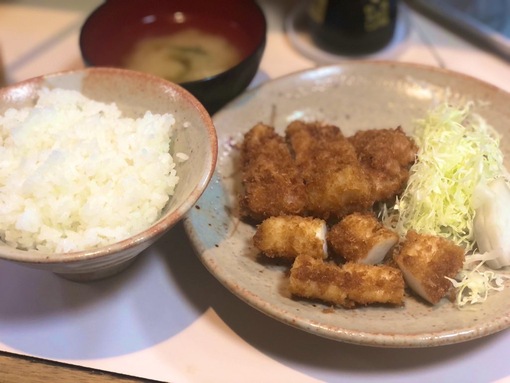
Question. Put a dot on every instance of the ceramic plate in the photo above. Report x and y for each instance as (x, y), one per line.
(354, 95)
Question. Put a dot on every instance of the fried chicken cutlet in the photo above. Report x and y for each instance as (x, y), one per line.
(360, 237)
(386, 156)
(425, 261)
(272, 183)
(348, 285)
(336, 185)
(291, 236)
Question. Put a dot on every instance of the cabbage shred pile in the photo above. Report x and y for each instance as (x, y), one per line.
(458, 151)
(458, 154)
(474, 283)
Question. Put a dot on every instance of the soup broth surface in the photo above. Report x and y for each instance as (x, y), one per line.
(187, 55)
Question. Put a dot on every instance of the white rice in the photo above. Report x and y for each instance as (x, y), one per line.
(75, 174)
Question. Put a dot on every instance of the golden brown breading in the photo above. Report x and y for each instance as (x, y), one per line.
(360, 237)
(290, 236)
(425, 261)
(315, 144)
(386, 156)
(336, 184)
(348, 285)
(271, 181)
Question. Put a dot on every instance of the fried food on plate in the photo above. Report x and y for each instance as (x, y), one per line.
(290, 236)
(348, 285)
(425, 261)
(360, 237)
(386, 156)
(336, 185)
(271, 181)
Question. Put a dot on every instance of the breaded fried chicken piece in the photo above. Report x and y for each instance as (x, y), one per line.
(360, 237)
(348, 285)
(314, 142)
(290, 236)
(425, 261)
(386, 156)
(336, 185)
(271, 181)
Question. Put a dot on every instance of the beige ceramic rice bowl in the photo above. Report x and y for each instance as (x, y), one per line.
(135, 94)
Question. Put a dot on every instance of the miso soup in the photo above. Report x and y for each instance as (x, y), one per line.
(184, 56)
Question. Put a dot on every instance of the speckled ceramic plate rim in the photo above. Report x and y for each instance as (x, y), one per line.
(215, 230)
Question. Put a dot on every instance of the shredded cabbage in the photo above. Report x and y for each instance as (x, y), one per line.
(474, 283)
(457, 152)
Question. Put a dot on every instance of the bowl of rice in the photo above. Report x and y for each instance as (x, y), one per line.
(95, 166)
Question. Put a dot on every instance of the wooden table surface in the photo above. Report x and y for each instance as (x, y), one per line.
(23, 369)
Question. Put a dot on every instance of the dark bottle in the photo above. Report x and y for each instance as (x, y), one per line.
(352, 27)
